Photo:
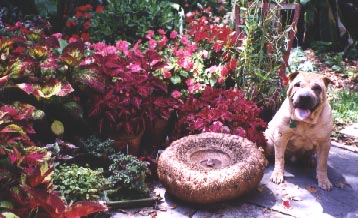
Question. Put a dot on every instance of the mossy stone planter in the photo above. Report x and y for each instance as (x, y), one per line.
(112, 202)
(211, 167)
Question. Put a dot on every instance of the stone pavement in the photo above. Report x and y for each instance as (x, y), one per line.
(300, 195)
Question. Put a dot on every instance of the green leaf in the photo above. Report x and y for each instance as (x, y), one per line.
(175, 79)
(8, 215)
(6, 204)
(303, 2)
(184, 74)
(46, 7)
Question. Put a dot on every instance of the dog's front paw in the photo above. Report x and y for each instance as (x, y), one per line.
(325, 184)
(277, 177)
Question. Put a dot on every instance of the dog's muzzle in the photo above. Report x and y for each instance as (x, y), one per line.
(304, 102)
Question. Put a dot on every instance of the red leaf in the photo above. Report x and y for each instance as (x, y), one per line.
(36, 178)
(14, 156)
(84, 208)
(137, 102)
(50, 202)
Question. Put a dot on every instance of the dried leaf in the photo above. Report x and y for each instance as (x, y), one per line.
(260, 188)
(122, 211)
(295, 198)
(341, 184)
(162, 208)
(266, 210)
(286, 203)
(311, 189)
(173, 206)
(153, 214)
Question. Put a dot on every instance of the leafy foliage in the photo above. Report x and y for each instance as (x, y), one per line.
(136, 16)
(264, 37)
(29, 63)
(95, 146)
(79, 183)
(78, 25)
(345, 106)
(128, 173)
(26, 170)
(14, 122)
(126, 94)
(224, 111)
(197, 58)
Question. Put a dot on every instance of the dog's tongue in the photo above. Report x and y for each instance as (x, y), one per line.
(302, 113)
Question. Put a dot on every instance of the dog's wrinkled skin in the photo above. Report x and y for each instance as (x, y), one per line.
(307, 110)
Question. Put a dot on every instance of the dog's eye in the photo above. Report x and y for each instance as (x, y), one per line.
(298, 84)
(317, 88)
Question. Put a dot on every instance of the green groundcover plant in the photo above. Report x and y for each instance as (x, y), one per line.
(128, 175)
(79, 183)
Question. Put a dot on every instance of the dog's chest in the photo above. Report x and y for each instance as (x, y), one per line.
(303, 138)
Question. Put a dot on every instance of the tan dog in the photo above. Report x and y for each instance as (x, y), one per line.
(303, 123)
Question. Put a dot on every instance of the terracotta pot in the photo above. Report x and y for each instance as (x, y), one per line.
(156, 131)
(133, 141)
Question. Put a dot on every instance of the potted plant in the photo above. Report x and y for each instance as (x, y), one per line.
(219, 110)
(122, 92)
(127, 183)
(159, 113)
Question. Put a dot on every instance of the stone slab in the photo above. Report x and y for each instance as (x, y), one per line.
(305, 198)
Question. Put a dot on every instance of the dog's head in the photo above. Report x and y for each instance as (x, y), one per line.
(306, 93)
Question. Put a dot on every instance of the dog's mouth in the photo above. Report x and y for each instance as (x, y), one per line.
(302, 113)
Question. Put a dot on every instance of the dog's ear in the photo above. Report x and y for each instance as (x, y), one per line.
(292, 76)
(327, 81)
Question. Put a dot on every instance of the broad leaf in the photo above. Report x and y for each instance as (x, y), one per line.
(84, 208)
(52, 88)
(51, 203)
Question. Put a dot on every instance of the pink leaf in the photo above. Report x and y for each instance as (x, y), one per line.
(3, 81)
(66, 88)
(28, 88)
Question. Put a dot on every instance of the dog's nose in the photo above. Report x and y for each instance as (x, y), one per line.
(305, 99)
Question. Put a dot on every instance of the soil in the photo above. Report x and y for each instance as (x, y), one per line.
(340, 81)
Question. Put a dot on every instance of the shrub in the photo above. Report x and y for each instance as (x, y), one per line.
(219, 110)
(264, 36)
(124, 92)
(201, 56)
(77, 26)
(79, 183)
(128, 176)
(130, 19)
(97, 147)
